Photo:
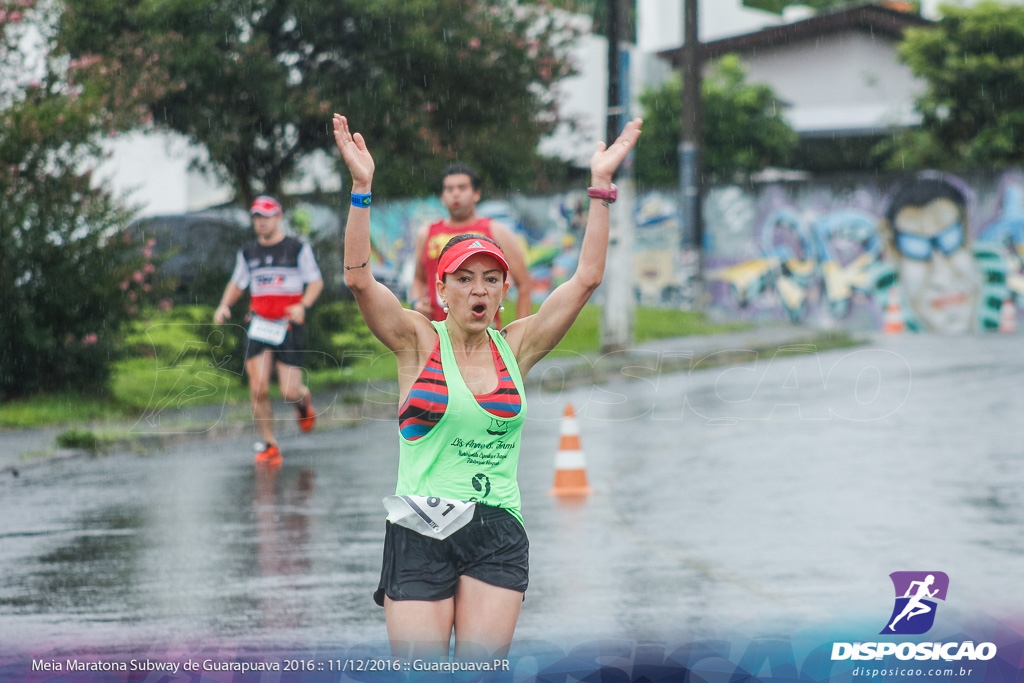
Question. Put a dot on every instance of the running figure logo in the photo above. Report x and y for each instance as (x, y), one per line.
(916, 593)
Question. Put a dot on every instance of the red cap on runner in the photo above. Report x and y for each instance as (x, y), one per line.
(460, 251)
(265, 206)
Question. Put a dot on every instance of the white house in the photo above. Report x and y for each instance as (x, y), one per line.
(152, 171)
(659, 23)
(837, 71)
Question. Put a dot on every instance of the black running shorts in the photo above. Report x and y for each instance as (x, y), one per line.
(289, 352)
(492, 548)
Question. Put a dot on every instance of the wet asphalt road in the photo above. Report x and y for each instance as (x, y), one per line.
(760, 498)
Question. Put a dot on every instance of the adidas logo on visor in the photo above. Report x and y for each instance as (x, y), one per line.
(476, 245)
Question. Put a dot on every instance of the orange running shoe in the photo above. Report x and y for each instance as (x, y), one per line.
(306, 415)
(268, 455)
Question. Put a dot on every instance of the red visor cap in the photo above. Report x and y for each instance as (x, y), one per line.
(265, 206)
(460, 251)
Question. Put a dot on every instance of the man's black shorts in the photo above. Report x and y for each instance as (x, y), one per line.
(492, 548)
(289, 352)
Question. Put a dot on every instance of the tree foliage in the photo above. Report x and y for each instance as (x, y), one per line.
(972, 109)
(65, 273)
(742, 129)
(255, 82)
(777, 6)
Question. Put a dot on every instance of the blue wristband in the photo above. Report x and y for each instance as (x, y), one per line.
(361, 200)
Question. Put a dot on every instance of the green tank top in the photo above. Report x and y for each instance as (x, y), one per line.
(469, 454)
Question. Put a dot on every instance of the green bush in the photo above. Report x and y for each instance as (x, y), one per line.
(62, 282)
(161, 346)
(68, 278)
(338, 336)
(182, 347)
(79, 438)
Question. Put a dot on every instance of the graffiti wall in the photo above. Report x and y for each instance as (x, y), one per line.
(931, 252)
(548, 226)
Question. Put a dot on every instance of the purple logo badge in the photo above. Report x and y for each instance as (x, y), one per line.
(916, 595)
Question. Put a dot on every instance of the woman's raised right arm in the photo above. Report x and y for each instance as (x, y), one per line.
(381, 309)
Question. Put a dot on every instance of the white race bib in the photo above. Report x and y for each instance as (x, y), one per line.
(268, 331)
(432, 517)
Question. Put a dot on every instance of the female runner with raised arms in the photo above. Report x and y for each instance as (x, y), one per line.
(455, 550)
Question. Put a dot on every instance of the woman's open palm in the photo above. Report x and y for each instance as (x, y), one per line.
(353, 151)
(607, 159)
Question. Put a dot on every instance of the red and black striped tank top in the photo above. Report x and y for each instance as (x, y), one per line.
(428, 397)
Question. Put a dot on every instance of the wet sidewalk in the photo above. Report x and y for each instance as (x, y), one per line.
(21, 449)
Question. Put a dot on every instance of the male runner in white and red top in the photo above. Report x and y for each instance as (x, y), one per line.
(460, 193)
(284, 281)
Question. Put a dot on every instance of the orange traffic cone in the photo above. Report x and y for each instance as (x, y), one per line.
(892, 320)
(1008, 316)
(570, 463)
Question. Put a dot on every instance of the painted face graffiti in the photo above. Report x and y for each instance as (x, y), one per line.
(936, 269)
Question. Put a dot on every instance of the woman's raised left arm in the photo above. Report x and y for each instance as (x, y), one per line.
(533, 337)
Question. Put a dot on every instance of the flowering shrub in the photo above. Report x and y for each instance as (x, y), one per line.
(61, 261)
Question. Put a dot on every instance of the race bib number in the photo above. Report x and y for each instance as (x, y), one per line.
(268, 331)
(429, 516)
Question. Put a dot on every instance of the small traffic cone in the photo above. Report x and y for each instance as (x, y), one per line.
(1008, 316)
(570, 463)
(892, 320)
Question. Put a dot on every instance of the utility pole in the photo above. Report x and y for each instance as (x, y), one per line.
(614, 76)
(690, 175)
(619, 301)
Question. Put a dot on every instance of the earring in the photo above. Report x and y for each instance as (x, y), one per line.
(444, 307)
(501, 308)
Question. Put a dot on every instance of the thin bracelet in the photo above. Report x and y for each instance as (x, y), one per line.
(357, 267)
